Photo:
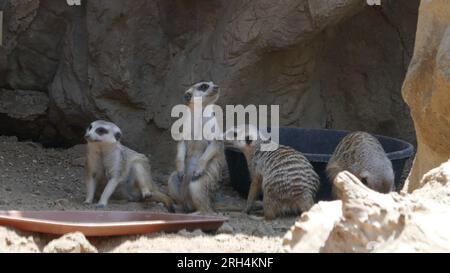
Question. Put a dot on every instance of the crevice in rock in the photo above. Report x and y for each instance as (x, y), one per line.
(39, 130)
(399, 34)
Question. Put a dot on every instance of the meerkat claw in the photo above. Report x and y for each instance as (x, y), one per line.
(100, 206)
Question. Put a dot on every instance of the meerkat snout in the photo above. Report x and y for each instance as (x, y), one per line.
(207, 86)
(215, 88)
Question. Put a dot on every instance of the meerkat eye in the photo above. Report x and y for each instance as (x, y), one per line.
(118, 136)
(203, 87)
(101, 131)
(90, 127)
(364, 180)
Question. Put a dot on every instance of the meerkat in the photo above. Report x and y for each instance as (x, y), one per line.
(111, 165)
(199, 163)
(285, 177)
(362, 154)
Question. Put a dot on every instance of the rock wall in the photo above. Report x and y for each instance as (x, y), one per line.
(427, 89)
(329, 64)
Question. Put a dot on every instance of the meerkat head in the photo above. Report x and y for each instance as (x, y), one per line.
(243, 137)
(380, 180)
(207, 91)
(101, 131)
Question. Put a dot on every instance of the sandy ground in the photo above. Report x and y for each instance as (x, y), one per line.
(34, 178)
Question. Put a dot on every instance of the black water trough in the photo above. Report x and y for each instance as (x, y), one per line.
(317, 145)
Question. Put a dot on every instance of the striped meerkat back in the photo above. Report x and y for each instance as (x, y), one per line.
(355, 149)
(357, 140)
(363, 155)
(286, 172)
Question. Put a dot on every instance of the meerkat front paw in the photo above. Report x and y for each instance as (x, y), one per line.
(172, 208)
(147, 195)
(87, 202)
(180, 175)
(100, 206)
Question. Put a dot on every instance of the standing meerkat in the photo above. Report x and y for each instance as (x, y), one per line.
(199, 163)
(362, 154)
(285, 177)
(109, 164)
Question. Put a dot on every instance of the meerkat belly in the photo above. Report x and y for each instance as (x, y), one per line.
(195, 150)
(115, 166)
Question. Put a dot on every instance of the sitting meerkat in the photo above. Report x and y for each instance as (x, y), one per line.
(109, 164)
(199, 163)
(285, 177)
(362, 154)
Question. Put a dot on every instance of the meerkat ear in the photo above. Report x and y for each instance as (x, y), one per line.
(118, 136)
(187, 97)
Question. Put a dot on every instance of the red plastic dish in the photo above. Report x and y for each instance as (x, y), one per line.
(106, 223)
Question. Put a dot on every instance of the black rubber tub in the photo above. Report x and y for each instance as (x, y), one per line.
(317, 145)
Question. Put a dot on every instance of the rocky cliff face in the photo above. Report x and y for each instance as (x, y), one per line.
(329, 64)
(427, 89)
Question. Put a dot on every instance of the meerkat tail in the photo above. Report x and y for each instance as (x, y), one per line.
(233, 207)
(157, 196)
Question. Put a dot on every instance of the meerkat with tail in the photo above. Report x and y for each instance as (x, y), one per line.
(199, 162)
(116, 168)
(362, 154)
(285, 177)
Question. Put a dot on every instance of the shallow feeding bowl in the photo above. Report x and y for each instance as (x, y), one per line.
(106, 223)
(317, 145)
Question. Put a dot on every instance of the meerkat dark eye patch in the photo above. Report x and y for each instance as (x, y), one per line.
(101, 131)
(118, 136)
(90, 127)
(364, 180)
(203, 87)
